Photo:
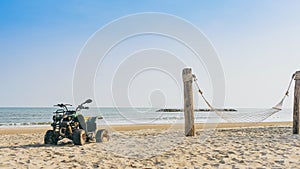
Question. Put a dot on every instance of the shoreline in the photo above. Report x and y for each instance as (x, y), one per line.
(133, 127)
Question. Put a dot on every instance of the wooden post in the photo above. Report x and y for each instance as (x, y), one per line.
(187, 78)
(296, 113)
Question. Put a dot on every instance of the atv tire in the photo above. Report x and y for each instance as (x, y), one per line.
(102, 136)
(79, 137)
(91, 137)
(50, 137)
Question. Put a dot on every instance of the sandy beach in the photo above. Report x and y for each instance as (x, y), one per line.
(238, 145)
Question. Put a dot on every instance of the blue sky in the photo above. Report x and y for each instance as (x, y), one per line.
(257, 42)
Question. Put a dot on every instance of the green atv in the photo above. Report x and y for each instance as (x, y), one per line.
(68, 124)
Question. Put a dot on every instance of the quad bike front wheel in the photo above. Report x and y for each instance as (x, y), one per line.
(50, 137)
(102, 136)
(79, 137)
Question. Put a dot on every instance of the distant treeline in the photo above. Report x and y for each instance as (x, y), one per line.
(197, 110)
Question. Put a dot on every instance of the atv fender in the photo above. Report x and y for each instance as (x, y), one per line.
(82, 122)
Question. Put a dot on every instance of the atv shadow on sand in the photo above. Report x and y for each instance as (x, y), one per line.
(69, 124)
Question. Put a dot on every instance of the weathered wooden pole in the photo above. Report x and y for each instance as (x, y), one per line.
(187, 78)
(296, 113)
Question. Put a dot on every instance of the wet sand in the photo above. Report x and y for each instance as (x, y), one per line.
(24, 130)
(238, 145)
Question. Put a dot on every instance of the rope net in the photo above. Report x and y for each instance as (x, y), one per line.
(257, 116)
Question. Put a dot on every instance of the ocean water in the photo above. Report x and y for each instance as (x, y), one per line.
(18, 116)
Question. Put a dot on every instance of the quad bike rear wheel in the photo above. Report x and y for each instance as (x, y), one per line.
(79, 137)
(91, 137)
(102, 136)
(50, 137)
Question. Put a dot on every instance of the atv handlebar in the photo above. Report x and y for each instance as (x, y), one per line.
(79, 107)
(62, 105)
